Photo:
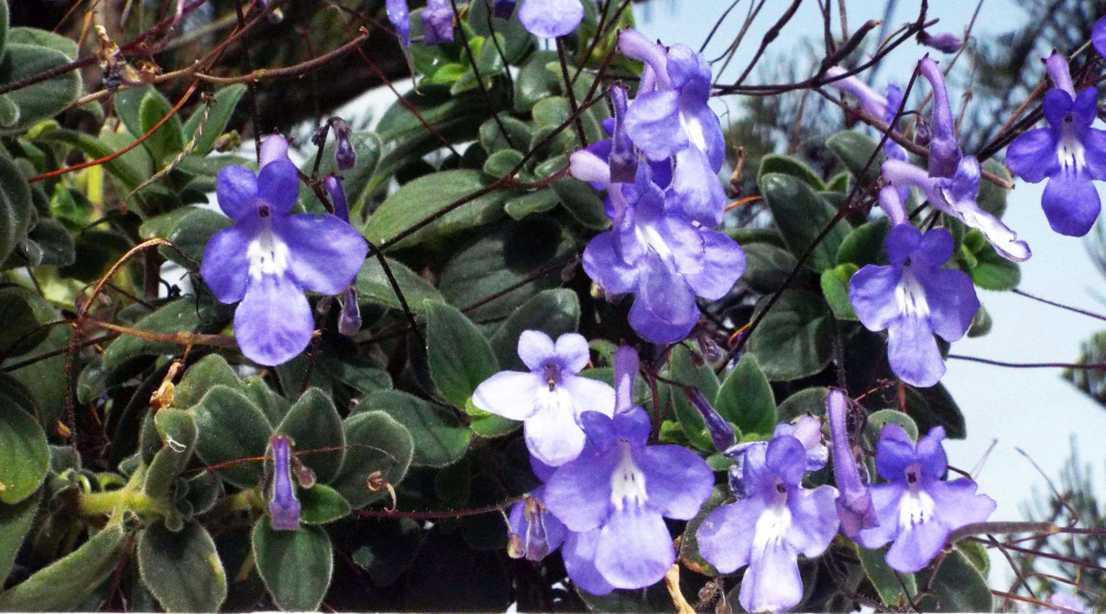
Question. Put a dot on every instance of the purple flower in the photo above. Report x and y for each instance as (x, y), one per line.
(437, 22)
(504, 8)
(284, 508)
(550, 18)
(914, 298)
(771, 526)
(917, 509)
(532, 531)
(944, 149)
(615, 497)
(946, 42)
(956, 196)
(269, 257)
(400, 16)
(550, 398)
(882, 108)
(1069, 152)
(661, 257)
(854, 503)
(807, 429)
(1098, 36)
(1065, 600)
(671, 119)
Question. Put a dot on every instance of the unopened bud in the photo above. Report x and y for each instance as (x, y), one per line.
(344, 154)
(284, 508)
(721, 433)
(946, 42)
(349, 319)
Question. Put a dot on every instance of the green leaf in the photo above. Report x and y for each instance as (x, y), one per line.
(493, 139)
(501, 163)
(957, 587)
(182, 569)
(21, 331)
(314, 425)
(178, 432)
(526, 205)
(53, 242)
(67, 582)
(553, 312)
(374, 288)
(880, 418)
(683, 369)
(9, 111)
(44, 99)
(582, 202)
(3, 25)
(864, 244)
(376, 442)
(887, 582)
(295, 565)
(169, 139)
(776, 163)
(440, 439)
(15, 522)
(191, 234)
(511, 263)
(430, 196)
(534, 83)
(794, 339)
(201, 377)
(835, 289)
(218, 116)
(801, 214)
(854, 150)
(233, 432)
(44, 38)
(24, 455)
(179, 315)
(981, 323)
(16, 209)
(929, 407)
(322, 504)
(993, 272)
(459, 356)
(746, 398)
(806, 401)
(766, 266)
(129, 169)
(274, 406)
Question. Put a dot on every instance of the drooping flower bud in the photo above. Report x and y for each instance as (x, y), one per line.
(1057, 67)
(944, 149)
(854, 503)
(337, 196)
(344, 154)
(349, 319)
(284, 508)
(623, 159)
(399, 15)
(721, 433)
(946, 42)
(437, 22)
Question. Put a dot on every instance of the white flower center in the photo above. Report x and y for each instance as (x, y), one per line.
(915, 507)
(627, 481)
(1070, 151)
(553, 398)
(647, 234)
(771, 527)
(267, 254)
(911, 296)
(694, 132)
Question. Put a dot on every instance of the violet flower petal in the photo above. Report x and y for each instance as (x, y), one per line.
(677, 480)
(579, 557)
(1032, 156)
(273, 323)
(400, 16)
(324, 252)
(1071, 204)
(534, 348)
(437, 22)
(579, 492)
(273, 147)
(551, 18)
(724, 538)
(236, 189)
(225, 266)
(912, 352)
(278, 185)
(634, 548)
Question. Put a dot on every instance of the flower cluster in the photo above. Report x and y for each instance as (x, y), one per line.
(659, 170)
(269, 257)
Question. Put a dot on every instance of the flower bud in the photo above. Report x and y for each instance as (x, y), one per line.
(946, 42)
(721, 433)
(344, 154)
(284, 508)
(349, 319)
(854, 503)
(337, 196)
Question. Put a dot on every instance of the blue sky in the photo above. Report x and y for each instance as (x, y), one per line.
(1034, 410)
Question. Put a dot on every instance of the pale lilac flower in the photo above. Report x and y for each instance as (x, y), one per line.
(1066, 603)
(956, 196)
(273, 147)
(806, 428)
(946, 42)
(550, 398)
(917, 508)
(854, 501)
(551, 18)
(400, 16)
(771, 526)
(617, 494)
(671, 119)
(437, 22)
(270, 257)
(1069, 152)
(914, 298)
(661, 257)
(532, 532)
(284, 507)
(944, 148)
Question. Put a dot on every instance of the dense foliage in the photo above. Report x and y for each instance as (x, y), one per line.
(517, 342)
